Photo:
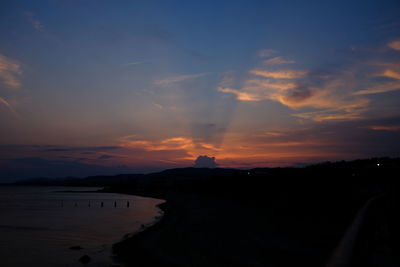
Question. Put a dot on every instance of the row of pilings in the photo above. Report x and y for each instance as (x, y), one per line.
(96, 203)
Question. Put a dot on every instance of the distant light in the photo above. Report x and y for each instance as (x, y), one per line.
(248, 173)
(378, 164)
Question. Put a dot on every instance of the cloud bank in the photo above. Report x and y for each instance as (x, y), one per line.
(336, 94)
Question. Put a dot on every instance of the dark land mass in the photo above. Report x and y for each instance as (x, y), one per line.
(328, 214)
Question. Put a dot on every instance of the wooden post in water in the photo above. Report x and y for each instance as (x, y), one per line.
(115, 204)
(127, 204)
(102, 204)
(89, 204)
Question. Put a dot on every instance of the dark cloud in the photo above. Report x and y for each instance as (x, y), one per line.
(105, 157)
(299, 94)
(79, 149)
(29, 167)
(57, 150)
(29, 161)
(205, 162)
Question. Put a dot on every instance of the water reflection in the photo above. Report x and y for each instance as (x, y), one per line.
(43, 224)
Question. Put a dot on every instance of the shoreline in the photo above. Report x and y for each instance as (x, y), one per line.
(119, 250)
(122, 250)
(208, 230)
(205, 231)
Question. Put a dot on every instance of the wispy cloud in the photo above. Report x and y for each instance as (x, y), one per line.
(389, 70)
(266, 52)
(177, 79)
(36, 23)
(8, 106)
(330, 95)
(134, 63)
(191, 146)
(158, 106)
(76, 149)
(240, 95)
(10, 72)
(228, 79)
(395, 45)
(391, 128)
(278, 61)
(342, 113)
(105, 156)
(281, 74)
(256, 84)
(380, 88)
(331, 105)
(390, 74)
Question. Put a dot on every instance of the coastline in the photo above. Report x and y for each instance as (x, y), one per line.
(275, 226)
(288, 218)
(122, 250)
(205, 230)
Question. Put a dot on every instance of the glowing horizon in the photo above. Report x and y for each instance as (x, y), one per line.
(106, 87)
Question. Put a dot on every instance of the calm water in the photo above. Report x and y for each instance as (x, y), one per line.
(39, 224)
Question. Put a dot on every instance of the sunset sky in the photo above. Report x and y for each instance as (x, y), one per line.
(103, 87)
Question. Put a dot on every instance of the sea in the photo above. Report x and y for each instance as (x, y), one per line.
(52, 226)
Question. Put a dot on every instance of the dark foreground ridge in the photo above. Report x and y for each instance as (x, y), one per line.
(329, 214)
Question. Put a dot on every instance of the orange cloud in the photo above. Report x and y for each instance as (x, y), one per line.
(271, 134)
(190, 145)
(326, 116)
(244, 96)
(333, 102)
(10, 70)
(395, 45)
(333, 96)
(282, 74)
(390, 74)
(381, 88)
(273, 148)
(392, 128)
(259, 84)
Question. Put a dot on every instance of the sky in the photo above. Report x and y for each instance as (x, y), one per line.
(104, 87)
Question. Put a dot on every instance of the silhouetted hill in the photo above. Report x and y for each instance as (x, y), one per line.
(376, 171)
(336, 212)
(196, 172)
